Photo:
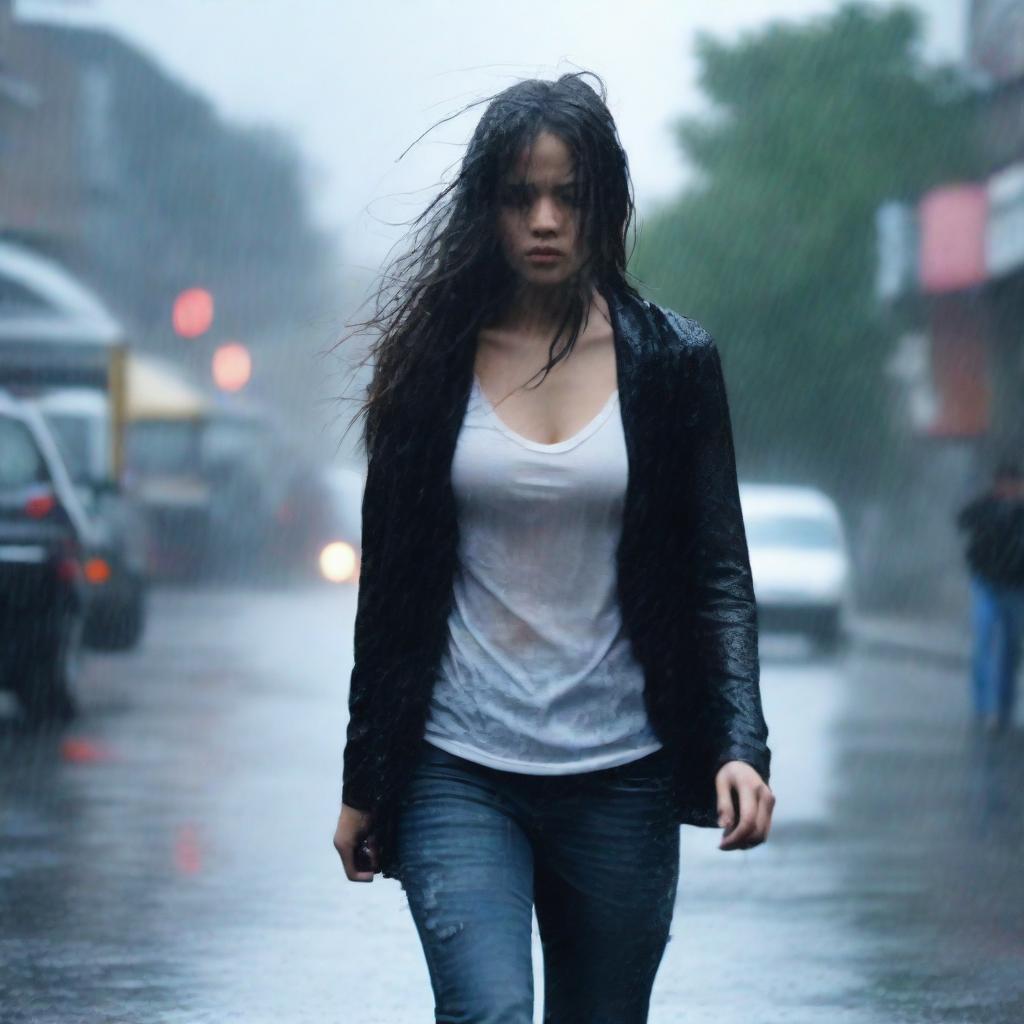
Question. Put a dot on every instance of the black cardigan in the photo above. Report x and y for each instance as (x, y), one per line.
(683, 572)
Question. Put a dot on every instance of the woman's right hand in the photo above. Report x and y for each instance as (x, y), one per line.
(354, 832)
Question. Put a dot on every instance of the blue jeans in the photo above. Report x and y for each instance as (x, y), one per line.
(597, 855)
(998, 621)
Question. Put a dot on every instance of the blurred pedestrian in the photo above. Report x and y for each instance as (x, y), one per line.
(555, 639)
(994, 526)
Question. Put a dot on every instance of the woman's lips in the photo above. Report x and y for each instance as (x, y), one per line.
(543, 257)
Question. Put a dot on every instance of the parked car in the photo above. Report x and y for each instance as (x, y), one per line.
(115, 566)
(43, 534)
(61, 347)
(799, 560)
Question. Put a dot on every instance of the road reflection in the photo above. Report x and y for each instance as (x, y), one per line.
(169, 858)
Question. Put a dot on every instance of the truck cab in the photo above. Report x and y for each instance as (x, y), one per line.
(62, 351)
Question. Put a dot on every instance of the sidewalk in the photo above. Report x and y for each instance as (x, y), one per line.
(931, 637)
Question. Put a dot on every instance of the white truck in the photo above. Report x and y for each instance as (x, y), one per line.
(62, 350)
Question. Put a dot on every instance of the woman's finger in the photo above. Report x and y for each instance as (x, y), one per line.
(748, 818)
(726, 814)
(764, 814)
(771, 811)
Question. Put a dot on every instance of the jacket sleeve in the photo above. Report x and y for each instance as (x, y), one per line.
(360, 768)
(725, 612)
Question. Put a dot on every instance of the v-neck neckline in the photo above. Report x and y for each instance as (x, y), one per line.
(559, 446)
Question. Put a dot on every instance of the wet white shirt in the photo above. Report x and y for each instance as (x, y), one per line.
(538, 676)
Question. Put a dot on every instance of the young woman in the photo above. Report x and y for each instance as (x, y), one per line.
(555, 639)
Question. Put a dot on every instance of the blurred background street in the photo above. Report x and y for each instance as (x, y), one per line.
(196, 198)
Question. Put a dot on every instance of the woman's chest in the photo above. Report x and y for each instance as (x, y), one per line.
(553, 408)
(499, 476)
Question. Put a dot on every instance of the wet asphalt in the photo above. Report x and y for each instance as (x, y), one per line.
(168, 857)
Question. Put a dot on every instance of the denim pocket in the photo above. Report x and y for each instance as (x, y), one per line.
(439, 776)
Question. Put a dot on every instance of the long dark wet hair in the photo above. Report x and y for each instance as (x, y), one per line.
(453, 278)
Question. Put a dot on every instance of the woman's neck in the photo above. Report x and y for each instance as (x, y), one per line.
(534, 310)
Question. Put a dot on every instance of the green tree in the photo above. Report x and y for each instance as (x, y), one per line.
(772, 248)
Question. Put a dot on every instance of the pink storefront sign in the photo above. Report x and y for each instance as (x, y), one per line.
(952, 238)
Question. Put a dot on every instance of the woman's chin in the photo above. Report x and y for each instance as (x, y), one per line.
(553, 277)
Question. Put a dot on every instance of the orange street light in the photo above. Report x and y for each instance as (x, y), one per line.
(232, 366)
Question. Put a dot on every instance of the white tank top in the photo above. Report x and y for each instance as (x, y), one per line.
(538, 676)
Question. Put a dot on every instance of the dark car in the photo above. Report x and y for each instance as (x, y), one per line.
(115, 564)
(43, 534)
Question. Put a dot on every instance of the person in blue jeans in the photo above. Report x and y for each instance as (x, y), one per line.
(595, 853)
(994, 525)
(555, 645)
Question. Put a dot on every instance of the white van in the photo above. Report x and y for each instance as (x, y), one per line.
(799, 560)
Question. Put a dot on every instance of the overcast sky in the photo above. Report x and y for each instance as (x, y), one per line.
(357, 83)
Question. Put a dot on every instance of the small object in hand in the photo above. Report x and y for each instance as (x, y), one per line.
(363, 856)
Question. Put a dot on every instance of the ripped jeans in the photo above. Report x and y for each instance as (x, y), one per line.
(597, 855)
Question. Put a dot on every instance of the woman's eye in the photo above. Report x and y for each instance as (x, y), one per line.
(516, 197)
(520, 198)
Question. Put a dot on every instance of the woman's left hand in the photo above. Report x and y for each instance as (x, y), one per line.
(756, 802)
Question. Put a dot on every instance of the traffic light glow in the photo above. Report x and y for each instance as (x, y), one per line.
(192, 313)
(232, 366)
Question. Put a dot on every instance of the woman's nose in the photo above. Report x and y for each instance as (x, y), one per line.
(544, 216)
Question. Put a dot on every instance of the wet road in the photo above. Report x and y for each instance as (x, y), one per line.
(169, 858)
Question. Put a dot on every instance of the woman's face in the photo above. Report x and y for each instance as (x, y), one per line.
(538, 214)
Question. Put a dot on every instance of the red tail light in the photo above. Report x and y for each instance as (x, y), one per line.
(97, 571)
(40, 506)
(69, 563)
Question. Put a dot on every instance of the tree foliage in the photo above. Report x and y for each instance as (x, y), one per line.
(813, 125)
